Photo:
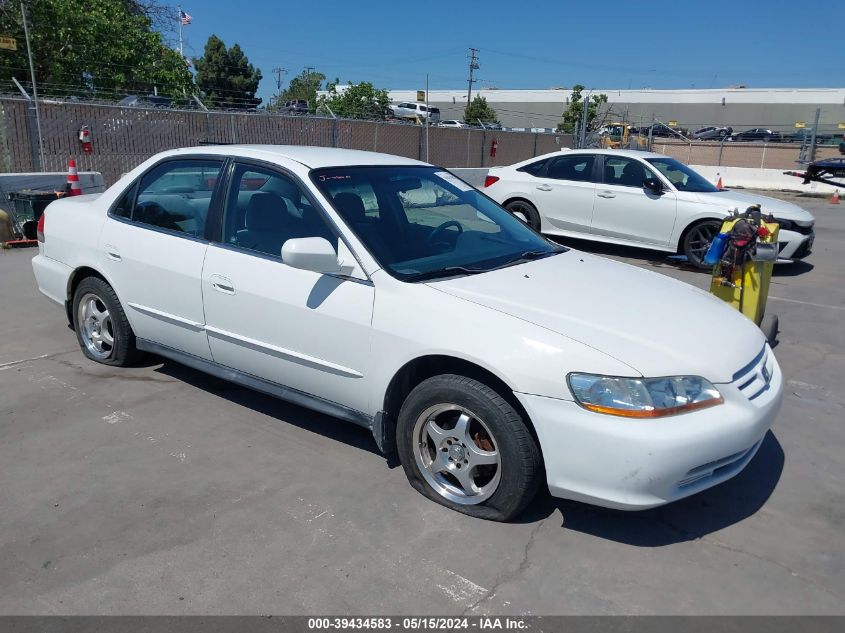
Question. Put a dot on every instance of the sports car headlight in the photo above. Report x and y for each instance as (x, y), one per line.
(643, 397)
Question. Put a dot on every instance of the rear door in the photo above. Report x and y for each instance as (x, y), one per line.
(152, 249)
(626, 211)
(565, 192)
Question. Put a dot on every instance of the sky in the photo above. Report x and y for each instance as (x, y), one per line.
(540, 44)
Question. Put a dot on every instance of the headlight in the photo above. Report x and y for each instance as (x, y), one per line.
(643, 397)
(786, 225)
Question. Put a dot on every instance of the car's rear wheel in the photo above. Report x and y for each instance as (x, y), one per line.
(464, 446)
(525, 212)
(697, 240)
(101, 326)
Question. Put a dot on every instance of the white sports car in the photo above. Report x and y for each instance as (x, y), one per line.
(635, 199)
(391, 294)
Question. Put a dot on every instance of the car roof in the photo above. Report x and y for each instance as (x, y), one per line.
(310, 156)
(627, 153)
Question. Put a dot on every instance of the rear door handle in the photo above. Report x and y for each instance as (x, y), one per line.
(222, 284)
(544, 187)
(112, 253)
(606, 194)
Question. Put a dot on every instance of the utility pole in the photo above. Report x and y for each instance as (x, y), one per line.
(34, 88)
(279, 72)
(473, 66)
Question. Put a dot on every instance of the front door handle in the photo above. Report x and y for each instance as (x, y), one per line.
(222, 284)
(544, 187)
(112, 253)
(606, 194)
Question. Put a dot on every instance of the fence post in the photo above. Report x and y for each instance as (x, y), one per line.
(535, 143)
(721, 147)
(483, 144)
(232, 127)
(334, 132)
(375, 137)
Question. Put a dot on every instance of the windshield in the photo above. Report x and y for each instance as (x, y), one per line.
(684, 178)
(425, 223)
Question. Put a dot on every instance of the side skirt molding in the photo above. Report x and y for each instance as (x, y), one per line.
(282, 392)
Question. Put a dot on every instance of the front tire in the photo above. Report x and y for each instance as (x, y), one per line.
(101, 326)
(697, 241)
(525, 212)
(464, 446)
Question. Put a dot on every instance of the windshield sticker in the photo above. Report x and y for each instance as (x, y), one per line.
(324, 178)
(452, 180)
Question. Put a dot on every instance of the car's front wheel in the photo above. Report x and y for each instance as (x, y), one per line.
(464, 446)
(525, 212)
(101, 326)
(697, 242)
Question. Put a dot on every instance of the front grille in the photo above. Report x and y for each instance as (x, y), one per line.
(754, 379)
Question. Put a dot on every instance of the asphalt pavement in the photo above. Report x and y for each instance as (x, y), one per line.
(159, 490)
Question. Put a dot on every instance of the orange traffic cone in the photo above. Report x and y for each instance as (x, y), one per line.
(73, 178)
(835, 198)
(719, 182)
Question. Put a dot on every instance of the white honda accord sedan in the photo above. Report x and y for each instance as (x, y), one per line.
(635, 199)
(390, 294)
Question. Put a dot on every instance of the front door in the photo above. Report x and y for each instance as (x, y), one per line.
(152, 249)
(297, 328)
(626, 211)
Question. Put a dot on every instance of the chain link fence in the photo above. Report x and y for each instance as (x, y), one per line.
(123, 137)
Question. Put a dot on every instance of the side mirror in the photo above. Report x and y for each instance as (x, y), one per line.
(310, 253)
(653, 185)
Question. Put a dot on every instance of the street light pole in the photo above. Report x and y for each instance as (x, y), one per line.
(34, 88)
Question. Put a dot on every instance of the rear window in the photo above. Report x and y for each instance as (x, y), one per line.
(434, 110)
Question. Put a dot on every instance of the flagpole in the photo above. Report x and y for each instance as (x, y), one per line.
(179, 17)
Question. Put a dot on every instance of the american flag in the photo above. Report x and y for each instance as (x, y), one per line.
(185, 18)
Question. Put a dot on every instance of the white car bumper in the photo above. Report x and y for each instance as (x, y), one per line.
(52, 277)
(639, 464)
(794, 245)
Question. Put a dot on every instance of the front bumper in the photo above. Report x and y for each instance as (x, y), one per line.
(639, 464)
(793, 245)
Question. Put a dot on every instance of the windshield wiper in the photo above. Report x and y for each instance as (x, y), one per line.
(527, 256)
(449, 271)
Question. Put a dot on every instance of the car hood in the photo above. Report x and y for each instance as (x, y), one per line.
(742, 200)
(655, 324)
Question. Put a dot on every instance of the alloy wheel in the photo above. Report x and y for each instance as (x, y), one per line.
(95, 326)
(457, 454)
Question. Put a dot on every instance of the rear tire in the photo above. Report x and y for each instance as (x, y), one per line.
(697, 241)
(464, 446)
(101, 326)
(525, 212)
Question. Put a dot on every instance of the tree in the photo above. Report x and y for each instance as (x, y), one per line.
(303, 87)
(97, 48)
(225, 77)
(356, 101)
(572, 115)
(480, 110)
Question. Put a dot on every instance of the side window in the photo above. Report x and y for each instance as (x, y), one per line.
(123, 208)
(626, 172)
(578, 168)
(264, 209)
(534, 168)
(176, 195)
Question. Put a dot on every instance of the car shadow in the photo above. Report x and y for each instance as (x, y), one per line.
(792, 270)
(685, 520)
(319, 423)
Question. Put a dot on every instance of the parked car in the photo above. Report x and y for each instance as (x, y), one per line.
(145, 101)
(393, 295)
(712, 133)
(410, 110)
(452, 123)
(759, 134)
(634, 198)
(659, 129)
(297, 106)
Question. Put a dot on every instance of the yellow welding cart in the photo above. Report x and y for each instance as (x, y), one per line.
(746, 285)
